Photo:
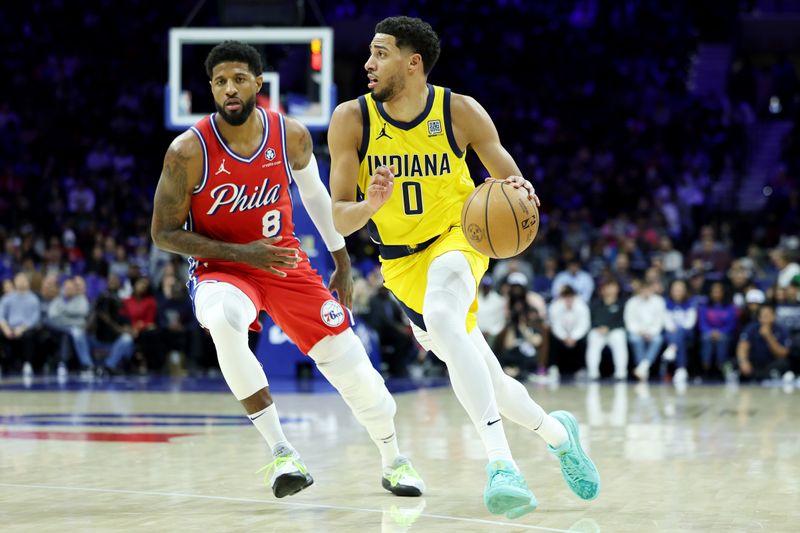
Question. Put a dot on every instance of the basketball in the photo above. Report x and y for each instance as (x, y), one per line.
(499, 220)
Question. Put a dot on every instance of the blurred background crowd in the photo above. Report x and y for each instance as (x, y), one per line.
(661, 136)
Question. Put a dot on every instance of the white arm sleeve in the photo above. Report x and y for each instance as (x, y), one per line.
(318, 203)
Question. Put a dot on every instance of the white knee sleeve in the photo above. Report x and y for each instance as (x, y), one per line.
(423, 338)
(345, 364)
(448, 297)
(227, 313)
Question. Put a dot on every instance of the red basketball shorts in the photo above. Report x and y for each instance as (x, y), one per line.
(300, 304)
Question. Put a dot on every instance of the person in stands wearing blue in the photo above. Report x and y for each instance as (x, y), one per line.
(19, 316)
(763, 350)
(717, 320)
(681, 320)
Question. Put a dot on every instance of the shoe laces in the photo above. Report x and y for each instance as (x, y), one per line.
(571, 467)
(510, 477)
(400, 472)
(278, 462)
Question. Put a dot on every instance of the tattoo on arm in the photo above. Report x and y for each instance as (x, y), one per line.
(306, 146)
(171, 208)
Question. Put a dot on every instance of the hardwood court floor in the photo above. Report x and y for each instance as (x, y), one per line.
(712, 459)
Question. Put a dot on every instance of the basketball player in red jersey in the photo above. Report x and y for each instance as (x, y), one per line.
(223, 199)
(426, 262)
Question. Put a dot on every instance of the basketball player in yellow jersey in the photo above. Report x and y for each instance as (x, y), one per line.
(402, 148)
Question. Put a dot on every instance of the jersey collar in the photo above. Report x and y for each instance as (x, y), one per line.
(264, 137)
(413, 123)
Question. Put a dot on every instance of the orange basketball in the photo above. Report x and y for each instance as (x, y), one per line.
(499, 220)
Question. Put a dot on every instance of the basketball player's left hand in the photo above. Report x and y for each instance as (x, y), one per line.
(342, 284)
(519, 182)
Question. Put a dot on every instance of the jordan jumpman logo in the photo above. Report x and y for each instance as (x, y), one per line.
(383, 133)
(222, 168)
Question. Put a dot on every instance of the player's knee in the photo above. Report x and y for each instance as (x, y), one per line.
(423, 338)
(344, 362)
(224, 312)
(507, 390)
(444, 324)
(337, 351)
(340, 358)
(212, 316)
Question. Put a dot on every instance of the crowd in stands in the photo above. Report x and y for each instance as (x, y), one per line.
(640, 250)
(655, 324)
(100, 321)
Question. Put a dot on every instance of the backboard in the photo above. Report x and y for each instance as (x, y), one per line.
(298, 72)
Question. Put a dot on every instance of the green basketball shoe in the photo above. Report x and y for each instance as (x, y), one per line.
(506, 491)
(578, 470)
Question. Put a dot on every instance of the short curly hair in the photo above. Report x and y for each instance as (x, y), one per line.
(234, 51)
(413, 33)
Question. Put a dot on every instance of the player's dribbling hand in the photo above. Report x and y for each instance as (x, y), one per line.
(262, 254)
(380, 187)
(519, 182)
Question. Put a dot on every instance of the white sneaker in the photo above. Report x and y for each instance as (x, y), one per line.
(61, 372)
(401, 479)
(642, 371)
(287, 473)
(788, 378)
(553, 374)
(681, 377)
(27, 370)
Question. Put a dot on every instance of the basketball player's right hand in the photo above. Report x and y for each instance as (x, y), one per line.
(262, 254)
(380, 187)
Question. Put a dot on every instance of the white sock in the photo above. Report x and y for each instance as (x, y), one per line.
(387, 446)
(267, 423)
(552, 431)
(494, 440)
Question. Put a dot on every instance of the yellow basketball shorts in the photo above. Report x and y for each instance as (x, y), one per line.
(407, 277)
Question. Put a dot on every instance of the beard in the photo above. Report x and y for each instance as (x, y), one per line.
(239, 117)
(393, 87)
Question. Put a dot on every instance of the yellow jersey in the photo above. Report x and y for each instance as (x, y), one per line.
(432, 180)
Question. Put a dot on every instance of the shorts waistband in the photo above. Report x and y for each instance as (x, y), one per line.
(396, 251)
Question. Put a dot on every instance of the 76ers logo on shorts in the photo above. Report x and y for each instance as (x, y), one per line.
(332, 313)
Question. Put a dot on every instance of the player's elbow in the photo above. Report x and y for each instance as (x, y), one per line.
(340, 220)
(160, 237)
(157, 237)
(341, 228)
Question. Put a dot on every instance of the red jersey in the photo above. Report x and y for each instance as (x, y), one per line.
(242, 199)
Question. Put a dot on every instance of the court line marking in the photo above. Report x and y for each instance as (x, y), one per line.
(286, 504)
